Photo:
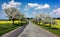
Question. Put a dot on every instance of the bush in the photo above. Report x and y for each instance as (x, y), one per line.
(20, 24)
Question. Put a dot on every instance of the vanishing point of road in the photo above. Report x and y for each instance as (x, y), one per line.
(32, 30)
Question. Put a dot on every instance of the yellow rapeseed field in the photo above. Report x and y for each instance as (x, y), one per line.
(10, 22)
(55, 26)
(58, 24)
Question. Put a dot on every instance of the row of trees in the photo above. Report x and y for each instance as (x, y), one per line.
(45, 19)
(13, 14)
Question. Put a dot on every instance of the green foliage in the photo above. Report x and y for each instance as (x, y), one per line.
(20, 24)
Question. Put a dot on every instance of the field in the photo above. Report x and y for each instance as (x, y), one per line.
(54, 26)
(58, 24)
(55, 29)
(7, 26)
(10, 22)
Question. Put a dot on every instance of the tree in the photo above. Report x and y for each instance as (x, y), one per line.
(12, 13)
(19, 17)
(45, 19)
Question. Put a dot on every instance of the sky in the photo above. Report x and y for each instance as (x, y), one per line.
(30, 8)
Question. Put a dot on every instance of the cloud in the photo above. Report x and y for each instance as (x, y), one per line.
(46, 6)
(33, 4)
(56, 12)
(26, 8)
(42, 6)
(37, 6)
(10, 4)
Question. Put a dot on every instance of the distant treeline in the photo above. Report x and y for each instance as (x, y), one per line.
(17, 19)
(33, 18)
(56, 18)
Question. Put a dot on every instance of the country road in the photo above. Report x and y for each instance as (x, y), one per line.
(34, 31)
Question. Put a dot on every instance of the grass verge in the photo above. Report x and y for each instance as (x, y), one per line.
(7, 27)
(52, 30)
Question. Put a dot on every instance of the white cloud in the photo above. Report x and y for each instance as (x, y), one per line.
(26, 8)
(37, 6)
(56, 12)
(10, 4)
(46, 6)
(33, 4)
(42, 6)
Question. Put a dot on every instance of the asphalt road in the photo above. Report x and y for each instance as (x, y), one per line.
(34, 31)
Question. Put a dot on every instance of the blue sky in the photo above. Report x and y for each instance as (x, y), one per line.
(30, 8)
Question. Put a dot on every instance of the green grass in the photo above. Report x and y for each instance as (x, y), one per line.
(6, 27)
(52, 30)
(55, 29)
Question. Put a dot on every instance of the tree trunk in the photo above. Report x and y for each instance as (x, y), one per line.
(50, 24)
(13, 21)
(18, 21)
